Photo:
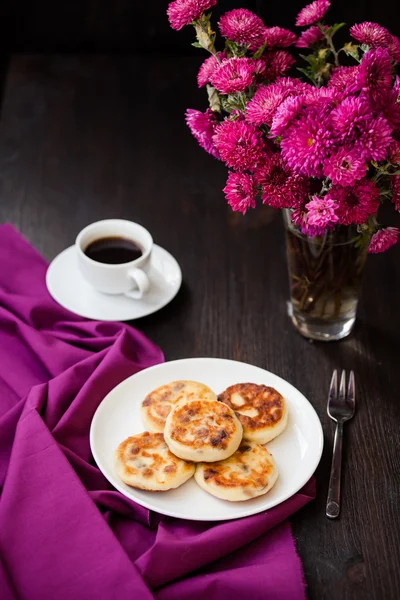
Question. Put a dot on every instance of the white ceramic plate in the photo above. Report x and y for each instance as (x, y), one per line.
(69, 288)
(297, 450)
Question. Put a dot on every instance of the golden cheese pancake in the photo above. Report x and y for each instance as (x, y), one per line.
(158, 404)
(248, 473)
(143, 461)
(261, 410)
(203, 431)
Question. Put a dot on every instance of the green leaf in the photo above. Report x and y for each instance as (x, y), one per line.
(352, 50)
(323, 70)
(309, 73)
(229, 104)
(205, 37)
(225, 104)
(214, 99)
(317, 62)
(197, 45)
(233, 49)
(336, 28)
(241, 51)
(364, 239)
(323, 53)
(306, 57)
(258, 53)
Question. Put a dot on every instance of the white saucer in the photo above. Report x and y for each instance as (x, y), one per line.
(68, 287)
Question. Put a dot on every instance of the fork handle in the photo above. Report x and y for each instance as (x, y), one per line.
(333, 500)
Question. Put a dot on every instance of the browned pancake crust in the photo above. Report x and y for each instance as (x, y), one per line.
(247, 476)
(268, 403)
(161, 401)
(209, 423)
(139, 444)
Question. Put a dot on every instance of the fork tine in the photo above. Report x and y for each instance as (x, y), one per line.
(351, 390)
(332, 394)
(342, 389)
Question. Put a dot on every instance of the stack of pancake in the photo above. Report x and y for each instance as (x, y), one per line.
(220, 440)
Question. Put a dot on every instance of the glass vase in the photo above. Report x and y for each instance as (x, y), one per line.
(325, 280)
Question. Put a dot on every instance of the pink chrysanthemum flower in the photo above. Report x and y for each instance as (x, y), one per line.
(390, 109)
(321, 212)
(395, 184)
(277, 63)
(354, 124)
(394, 48)
(240, 144)
(285, 113)
(351, 118)
(394, 153)
(293, 85)
(258, 66)
(322, 99)
(281, 188)
(312, 13)
(243, 27)
(396, 85)
(375, 74)
(377, 140)
(240, 191)
(264, 103)
(306, 143)
(355, 204)
(343, 78)
(202, 126)
(277, 37)
(375, 36)
(300, 218)
(310, 36)
(183, 12)
(370, 34)
(233, 75)
(315, 96)
(383, 239)
(207, 68)
(345, 167)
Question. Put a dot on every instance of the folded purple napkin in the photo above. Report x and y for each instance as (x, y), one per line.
(64, 532)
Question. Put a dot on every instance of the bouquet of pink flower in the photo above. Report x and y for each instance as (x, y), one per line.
(327, 149)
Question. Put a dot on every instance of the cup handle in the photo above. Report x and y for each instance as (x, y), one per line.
(142, 282)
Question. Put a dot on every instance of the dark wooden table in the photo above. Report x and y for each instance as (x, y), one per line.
(85, 138)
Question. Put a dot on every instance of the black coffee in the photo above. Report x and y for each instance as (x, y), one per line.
(113, 250)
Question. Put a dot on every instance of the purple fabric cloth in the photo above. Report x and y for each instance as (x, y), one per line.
(64, 532)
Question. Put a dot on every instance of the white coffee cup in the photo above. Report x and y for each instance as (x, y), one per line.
(129, 278)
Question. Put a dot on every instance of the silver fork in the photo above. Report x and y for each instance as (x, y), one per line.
(341, 407)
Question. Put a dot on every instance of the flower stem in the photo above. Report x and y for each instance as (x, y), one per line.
(332, 48)
(328, 38)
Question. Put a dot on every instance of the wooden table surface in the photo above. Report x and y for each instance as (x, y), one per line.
(86, 138)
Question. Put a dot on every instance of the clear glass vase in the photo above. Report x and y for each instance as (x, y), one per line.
(325, 280)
